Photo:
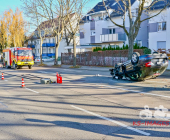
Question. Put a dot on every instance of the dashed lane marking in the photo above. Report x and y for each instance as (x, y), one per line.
(31, 90)
(113, 121)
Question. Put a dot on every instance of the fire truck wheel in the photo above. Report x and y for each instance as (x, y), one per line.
(29, 67)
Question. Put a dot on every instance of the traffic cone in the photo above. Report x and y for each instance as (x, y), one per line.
(23, 85)
(2, 76)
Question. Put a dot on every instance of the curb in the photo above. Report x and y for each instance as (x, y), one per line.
(76, 68)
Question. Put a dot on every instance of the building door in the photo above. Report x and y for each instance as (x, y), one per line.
(161, 45)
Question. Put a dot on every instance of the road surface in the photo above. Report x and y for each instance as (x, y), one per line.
(87, 105)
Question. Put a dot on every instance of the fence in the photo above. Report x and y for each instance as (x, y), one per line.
(100, 58)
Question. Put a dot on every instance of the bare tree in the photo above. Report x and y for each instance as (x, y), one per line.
(68, 37)
(53, 11)
(76, 7)
(31, 10)
(126, 11)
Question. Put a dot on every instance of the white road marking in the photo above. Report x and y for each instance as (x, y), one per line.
(113, 121)
(4, 104)
(135, 91)
(45, 72)
(6, 80)
(31, 90)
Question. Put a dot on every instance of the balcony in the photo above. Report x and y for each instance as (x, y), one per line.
(113, 37)
(31, 46)
(48, 45)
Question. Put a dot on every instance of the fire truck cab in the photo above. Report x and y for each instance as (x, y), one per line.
(18, 57)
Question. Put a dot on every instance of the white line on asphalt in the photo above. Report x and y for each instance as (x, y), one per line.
(135, 91)
(113, 121)
(4, 104)
(42, 71)
(31, 90)
(45, 72)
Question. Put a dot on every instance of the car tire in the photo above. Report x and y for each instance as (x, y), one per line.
(30, 67)
(135, 58)
(155, 52)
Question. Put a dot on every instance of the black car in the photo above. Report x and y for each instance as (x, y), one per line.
(142, 67)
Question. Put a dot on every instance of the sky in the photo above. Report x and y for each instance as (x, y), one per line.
(13, 4)
(6, 4)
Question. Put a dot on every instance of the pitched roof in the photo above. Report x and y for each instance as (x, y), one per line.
(111, 4)
(47, 24)
(159, 4)
(119, 8)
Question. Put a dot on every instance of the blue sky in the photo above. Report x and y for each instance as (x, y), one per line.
(6, 4)
(13, 4)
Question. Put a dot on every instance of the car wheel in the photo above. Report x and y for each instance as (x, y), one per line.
(155, 52)
(135, 58)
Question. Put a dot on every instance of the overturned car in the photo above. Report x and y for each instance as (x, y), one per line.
(141, 67)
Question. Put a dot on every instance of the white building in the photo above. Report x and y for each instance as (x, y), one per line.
(48, 46)
(159, 27)
(97, 29)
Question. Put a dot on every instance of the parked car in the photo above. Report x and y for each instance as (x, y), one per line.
(44, 59)
(142, 67)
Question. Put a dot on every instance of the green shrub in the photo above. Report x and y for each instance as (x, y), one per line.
(124, 47)
(146, 51)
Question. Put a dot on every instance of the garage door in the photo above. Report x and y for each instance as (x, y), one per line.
(161, 45)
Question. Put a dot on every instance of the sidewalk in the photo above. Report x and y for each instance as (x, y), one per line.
(93, 68)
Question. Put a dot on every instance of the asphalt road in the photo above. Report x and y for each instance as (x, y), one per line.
(84, 106)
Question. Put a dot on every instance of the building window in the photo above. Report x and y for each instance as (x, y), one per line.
(110, 31)
(38, 50)
(44, 50)
(69, 50)
(93, 33)
(113, 31)
(161, 45)
(163, 26)
(139, 43)
(159, 26)
(53, 40)
(42, 33)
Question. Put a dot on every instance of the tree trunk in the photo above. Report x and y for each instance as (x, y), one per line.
(130, 50)
(56, 53)
(74, 50)
(41, 42)
(56, 49)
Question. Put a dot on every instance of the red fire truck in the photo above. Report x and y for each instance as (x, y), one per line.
(18, 57)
